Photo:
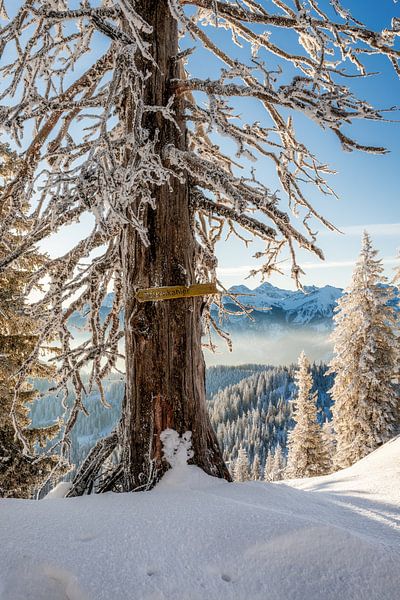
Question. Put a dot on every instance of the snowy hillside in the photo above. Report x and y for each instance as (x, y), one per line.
(197, 538)
(248, 406)
(256, 414)
(376, 476)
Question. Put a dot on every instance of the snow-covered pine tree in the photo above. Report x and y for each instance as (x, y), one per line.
(261, 403)
(241, 468)
(329, 441)
(269, 466)
(307, 455)
(279, 464)
(114, 132)
(366, 411)
(21, 470)
(255, 468)
(396, 278)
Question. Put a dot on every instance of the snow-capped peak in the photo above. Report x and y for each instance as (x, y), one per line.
(300, 306)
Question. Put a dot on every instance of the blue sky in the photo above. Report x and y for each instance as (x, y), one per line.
(368, 185)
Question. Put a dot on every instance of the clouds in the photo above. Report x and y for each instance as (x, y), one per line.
(240, 270)
(374, 229)
(244, 270)
(341, 251)
(339, 264)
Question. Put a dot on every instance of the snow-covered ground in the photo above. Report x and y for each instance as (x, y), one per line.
(197, 538)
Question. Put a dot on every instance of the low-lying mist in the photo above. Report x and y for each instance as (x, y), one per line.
(282, 349)
(266, 347)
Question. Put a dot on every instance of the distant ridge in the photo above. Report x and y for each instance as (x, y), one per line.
(298, 307)
(312, 305)
(282, 324)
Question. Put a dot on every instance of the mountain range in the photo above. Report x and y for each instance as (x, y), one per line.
(311, 307)
(281, 324)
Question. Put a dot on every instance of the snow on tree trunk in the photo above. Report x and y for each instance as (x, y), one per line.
(165, 381)
(307, 455)
(366, 411)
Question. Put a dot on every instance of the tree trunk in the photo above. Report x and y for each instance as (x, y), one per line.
(165, 380)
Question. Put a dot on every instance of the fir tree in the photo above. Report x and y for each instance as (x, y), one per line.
(255, 469)
(20, 470)
(396, 278)
(241, 470)
(278, 466)
(307, 456)
(366, 403)
(269, 465)
(255, 413)
(329, 441)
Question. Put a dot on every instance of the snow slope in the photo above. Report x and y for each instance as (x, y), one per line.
(195, 538)
(375, 477)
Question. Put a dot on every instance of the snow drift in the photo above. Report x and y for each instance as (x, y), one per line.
(195, 538)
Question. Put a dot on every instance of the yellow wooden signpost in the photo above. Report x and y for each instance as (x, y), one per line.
(176, 291)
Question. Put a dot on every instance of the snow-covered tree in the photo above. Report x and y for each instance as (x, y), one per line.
(279, 464)
(255, 468)
(307, 456)
(255, 412)
(329, 442)
(396, 277)
(269, 465)
(114, 132)
(241, 468)
(366, 410)
(21, 470)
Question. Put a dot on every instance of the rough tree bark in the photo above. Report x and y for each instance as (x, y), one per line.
(165, 381)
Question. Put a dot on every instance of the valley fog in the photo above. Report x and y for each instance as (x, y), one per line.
(281, 350)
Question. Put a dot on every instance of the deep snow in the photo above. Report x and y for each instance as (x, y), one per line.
(194, 537)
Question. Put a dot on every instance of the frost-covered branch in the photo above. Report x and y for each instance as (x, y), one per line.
(78, 112)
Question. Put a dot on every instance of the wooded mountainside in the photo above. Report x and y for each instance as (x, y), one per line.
(248, 405)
